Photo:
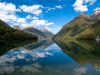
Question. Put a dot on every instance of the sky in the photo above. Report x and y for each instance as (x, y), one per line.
(49, 14)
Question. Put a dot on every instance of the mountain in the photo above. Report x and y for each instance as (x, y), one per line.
(7, 33)
(12, 38)
(82, 27)
(96, 14)
(17, 28)
(42, 34)
(39, 45)
(47, 33)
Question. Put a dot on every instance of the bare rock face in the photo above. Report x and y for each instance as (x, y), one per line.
(96, 14)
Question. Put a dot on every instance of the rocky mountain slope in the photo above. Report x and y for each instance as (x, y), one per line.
(82, 27)
(42, 34)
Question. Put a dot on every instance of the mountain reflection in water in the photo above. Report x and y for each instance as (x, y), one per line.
(48, 58)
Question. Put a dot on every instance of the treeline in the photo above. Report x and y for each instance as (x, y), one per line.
(11, 38)
(8, 33)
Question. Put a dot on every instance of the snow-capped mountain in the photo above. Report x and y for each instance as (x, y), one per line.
(96, 13)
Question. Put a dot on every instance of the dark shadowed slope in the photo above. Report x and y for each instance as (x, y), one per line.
(8, 33)
(11, 38)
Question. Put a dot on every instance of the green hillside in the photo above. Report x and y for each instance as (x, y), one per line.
(91, 32)
(82, 27)
(11, 38)
(8, 33)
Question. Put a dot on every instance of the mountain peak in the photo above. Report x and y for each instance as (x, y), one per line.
(44, 29)
(84, 15)
(17, 28)
(97, 11)
(41, 33)
(96, 14)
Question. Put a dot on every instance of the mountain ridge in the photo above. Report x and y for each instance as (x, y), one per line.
(8, 33)
(42, 34)
(81, 27)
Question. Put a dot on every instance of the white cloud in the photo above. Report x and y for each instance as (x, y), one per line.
(34, 9)
(54, 29)
(90, 1)
(18, 10)
(7, 11)
(41, 23)
(79, 7)
(56, 7)
(82, 6)
(9, 7)
(31, 17)
(59, 7)
(21, 20)
(37, 23)
(6, 17)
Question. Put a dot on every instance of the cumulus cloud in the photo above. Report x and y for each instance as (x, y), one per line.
(41, 22)
(34, 9)
(21, 20)
(31, 17)
(79, 7)
(82, 5)
(7, 11)
(9, 7)
(37, 23)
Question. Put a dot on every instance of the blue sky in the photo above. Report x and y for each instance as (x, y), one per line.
(50, 14)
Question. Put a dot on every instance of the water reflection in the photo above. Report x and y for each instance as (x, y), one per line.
(6, 46)
(98, 39)
(84, 52)
(39, 45)
(47, 58)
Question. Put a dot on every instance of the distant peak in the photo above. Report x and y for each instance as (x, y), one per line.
(17, 27)
(97, 11)
(44, 29)
(96, 14)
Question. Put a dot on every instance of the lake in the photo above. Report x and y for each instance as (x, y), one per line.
(49, 58)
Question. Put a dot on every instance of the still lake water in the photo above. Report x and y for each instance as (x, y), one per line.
(47, 58)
